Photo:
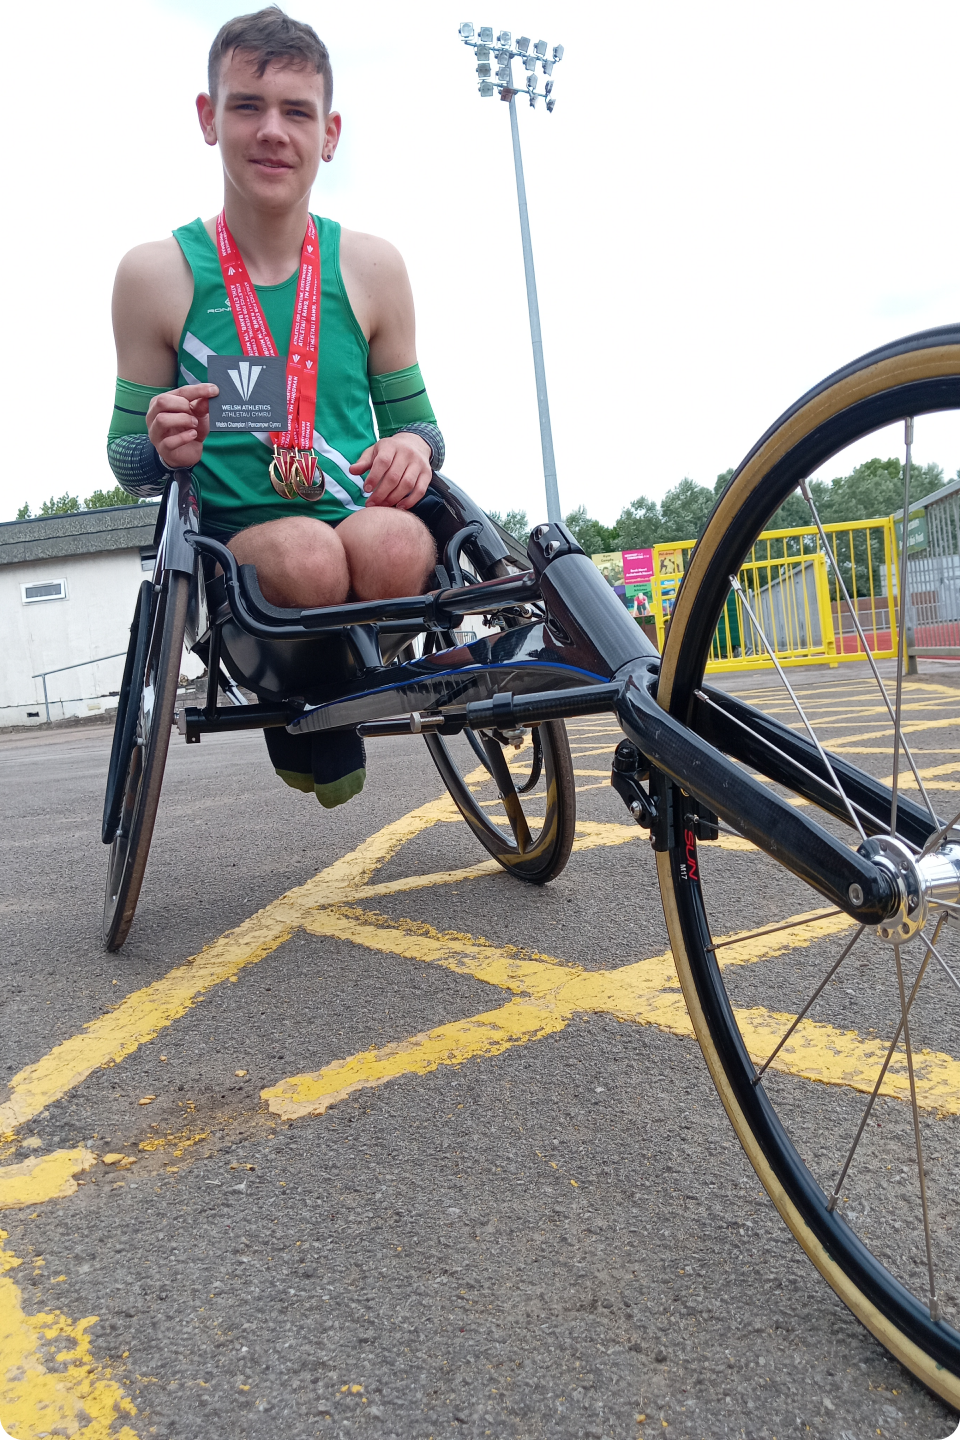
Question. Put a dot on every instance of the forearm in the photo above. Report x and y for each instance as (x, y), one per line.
(132, 457)
(401, 404)
(137, 466)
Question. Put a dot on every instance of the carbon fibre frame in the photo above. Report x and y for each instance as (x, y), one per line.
(583, 654)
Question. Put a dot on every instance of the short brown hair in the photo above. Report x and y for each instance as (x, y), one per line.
(270, 35)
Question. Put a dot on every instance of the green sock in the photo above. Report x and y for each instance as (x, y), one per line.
(296, 781)
(337, 792)
(330, 765)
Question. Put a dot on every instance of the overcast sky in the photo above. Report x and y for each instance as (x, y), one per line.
(728, 203)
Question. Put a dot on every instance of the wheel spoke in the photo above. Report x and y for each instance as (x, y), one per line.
(800, 711)
(898, 739)
(500, 771)
(790, 760)
(835, 1196)
(932, 947)
(918, 1139)
(740, 939)
(816, 994)
(902, 632)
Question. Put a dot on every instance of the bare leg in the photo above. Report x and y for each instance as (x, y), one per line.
(300, 561)
(389, 552)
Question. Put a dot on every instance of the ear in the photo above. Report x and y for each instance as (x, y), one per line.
(331, 135)
(206, 114)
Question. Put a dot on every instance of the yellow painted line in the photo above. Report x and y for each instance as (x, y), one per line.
(646, 993)
(142, 1015)
(49, 1381)
(482, 1035)
(589, 835)
(43, 1177)
(505, 966)
(843, 1057)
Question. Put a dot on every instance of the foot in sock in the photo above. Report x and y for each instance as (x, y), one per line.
(331, 764)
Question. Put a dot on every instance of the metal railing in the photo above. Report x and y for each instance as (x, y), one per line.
(933, 574)
(795, 594)
(42, 674)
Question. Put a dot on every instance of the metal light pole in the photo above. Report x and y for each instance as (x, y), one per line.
(505, 53)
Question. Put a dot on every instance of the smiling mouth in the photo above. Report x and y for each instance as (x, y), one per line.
(273, 164)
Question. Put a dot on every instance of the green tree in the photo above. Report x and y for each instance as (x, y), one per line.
(876, 488)
(24, 512)
(685, 510)
(795, 510)
(514, 522)
(101, 499)
(66, 505)
(590, 535)
(639, 525)
(720, 483)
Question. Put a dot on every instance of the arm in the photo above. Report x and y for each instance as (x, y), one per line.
(379, 290)
(151, 299)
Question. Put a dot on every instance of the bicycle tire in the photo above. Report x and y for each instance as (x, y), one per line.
(124, 729)
(145, 763)
(911, 377)
(546, 857)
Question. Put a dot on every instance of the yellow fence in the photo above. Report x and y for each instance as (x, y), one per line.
(794, 595)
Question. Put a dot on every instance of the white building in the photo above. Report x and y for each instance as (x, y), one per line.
(68, 587)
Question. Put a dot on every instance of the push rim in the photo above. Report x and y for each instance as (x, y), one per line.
(125, 725)
(520, 804)
(153, 709)
(912, 377)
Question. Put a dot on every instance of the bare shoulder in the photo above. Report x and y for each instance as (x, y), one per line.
(156, 267)
(151, 299)
(370, 256)
(378, 289)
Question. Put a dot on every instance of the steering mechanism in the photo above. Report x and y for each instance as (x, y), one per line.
(921, 881)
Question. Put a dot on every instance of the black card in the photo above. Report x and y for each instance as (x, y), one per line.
(253, 392)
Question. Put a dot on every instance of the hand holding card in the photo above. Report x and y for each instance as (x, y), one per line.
(253, 393)
(178, 423)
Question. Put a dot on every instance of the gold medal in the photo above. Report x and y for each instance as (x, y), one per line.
(306, 477)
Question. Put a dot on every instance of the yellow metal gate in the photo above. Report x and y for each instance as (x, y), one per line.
(794, 594)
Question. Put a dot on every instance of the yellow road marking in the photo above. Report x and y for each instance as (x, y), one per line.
(143, 1014)
(78, 1397)
(550, 992)
(482, 1035)
(43, 1177)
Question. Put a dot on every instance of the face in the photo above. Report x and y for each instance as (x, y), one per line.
(272, 129)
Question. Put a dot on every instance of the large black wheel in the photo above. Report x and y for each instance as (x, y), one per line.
(519, 801)
(140, 741)
(825, 1041)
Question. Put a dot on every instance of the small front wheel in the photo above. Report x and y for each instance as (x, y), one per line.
(141, 738)
(519, 802)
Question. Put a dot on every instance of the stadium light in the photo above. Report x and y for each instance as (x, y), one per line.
(505, 54)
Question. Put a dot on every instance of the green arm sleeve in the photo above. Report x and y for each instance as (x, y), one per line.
(399, 399)
(130, 408)
(131, 456)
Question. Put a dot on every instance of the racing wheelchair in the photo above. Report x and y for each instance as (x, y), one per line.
(859, 1169)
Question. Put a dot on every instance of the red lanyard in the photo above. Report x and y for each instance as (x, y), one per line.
(255, 337)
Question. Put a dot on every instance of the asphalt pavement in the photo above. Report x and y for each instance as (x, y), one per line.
(312, 1156)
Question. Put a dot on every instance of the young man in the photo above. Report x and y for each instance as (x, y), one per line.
(269, 110)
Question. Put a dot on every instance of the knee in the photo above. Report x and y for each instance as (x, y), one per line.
(300, 563)
(389, 553)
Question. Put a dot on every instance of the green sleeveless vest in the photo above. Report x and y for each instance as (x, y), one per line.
(235, 489)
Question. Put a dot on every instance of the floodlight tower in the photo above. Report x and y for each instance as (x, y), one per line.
(504, 53)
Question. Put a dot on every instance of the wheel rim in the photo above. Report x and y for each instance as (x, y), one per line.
(884, 1236)
(153, 708)
(525, 830)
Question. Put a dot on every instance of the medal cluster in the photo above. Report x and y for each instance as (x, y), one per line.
(296, 472)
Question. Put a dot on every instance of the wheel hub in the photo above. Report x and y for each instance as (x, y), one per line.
(922, 883)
